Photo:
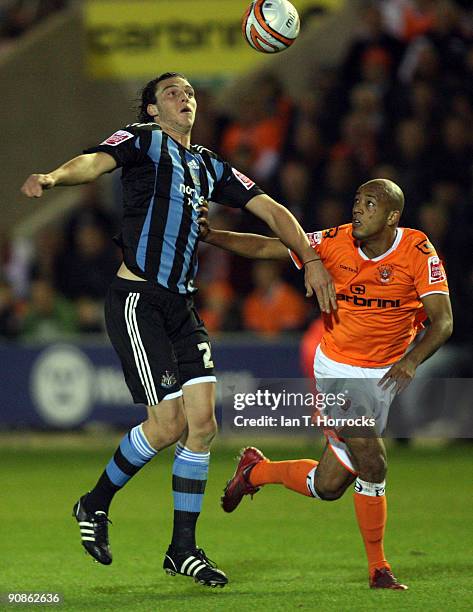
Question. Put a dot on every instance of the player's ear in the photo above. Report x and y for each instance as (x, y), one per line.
(152, 110)
(393, 217)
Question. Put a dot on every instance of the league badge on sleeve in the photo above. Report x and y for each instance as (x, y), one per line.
(315, 238)
(117, 138)
(244, 180)
(436, 271)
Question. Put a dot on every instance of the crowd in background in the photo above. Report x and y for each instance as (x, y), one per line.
(19, 16)
(399, 106)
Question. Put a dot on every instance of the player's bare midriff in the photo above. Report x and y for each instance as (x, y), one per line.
(124, 272)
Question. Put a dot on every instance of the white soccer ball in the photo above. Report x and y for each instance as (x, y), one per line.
(271, 26)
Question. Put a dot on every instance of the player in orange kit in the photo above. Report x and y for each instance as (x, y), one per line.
(387, 279)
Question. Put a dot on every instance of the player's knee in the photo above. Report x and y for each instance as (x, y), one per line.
(204, 431)
(328, 491)
(162, 432)
(329, 494)
(374, 468)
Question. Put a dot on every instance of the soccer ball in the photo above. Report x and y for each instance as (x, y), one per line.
(271, 26)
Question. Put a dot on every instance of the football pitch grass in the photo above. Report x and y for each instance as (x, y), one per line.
(281, 551)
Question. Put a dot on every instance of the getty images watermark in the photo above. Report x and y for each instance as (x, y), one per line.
(286, 410)
(429, 407)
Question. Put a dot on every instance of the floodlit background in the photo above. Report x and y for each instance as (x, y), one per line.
(370, 89)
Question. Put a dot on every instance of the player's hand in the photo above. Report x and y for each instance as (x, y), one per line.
(399, 375)
(318, 280)
(35, 184)
(203, 221)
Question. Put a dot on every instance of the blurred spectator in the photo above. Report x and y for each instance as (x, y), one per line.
(418, 101)
(462, 104)
(376, 70)
(91, 210)
(434, 223)
(295, 186)
(455, 155)
(387, 171)
(215, 264)
(374, 53)
(260, 128)
(341, 178)
(17, 263)
(49, 317)
(358, 142)
(207, 124)
(468, 82)
(448, 38)
(447, 194)
(412, 157)
(408, 19)
(421, 62)
(309, 343)
(326, 104)
(88, 270)
(90, 317)
(20, 15)
(332, 212)
(9, 312)
(218, 308)
(32, 258)
(273, 306)
(306, 145)
(365, 100)
(47, 245)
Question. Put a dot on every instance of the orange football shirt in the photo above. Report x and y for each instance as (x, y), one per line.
(379, 299)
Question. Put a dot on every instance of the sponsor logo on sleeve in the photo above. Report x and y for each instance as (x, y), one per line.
(315, 238)
(244, 180)
(330, 233)
(117, 138)
(436, 271)
(424, 247)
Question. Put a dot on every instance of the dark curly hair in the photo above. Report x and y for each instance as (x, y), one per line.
(148, 95)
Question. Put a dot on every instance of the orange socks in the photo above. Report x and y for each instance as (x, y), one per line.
(292, 474)
(371, 513)
(369, 498)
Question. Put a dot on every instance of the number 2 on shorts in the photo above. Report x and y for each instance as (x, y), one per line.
(205, 346)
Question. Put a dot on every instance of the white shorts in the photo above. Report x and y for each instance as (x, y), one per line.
(364, 398)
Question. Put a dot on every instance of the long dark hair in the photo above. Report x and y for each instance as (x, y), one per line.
(148, 95)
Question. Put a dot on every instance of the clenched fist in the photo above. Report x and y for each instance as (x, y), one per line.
(35, 184)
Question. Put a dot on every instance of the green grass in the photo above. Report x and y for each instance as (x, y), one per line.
(281, 552)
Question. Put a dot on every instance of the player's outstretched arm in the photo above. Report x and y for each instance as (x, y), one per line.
(287, 228)
(253, 246)
(439, 311)
(82, 169)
